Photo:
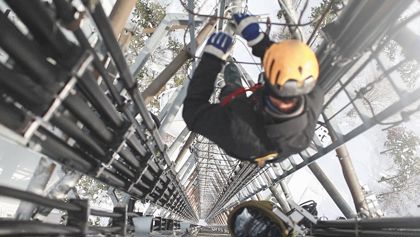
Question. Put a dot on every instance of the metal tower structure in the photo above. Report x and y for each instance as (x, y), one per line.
(77, 103)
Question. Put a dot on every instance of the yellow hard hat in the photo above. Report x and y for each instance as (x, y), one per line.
(290, 68)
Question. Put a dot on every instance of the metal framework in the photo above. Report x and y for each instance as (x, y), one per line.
(339, 56)
(64, 111)
(58, 99)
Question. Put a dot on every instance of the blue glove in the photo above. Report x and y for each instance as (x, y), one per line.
(247, 27)
(219, 45)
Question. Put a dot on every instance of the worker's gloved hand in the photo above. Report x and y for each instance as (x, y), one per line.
(219, 45)
(247, 27)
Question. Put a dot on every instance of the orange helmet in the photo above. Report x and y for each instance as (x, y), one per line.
(290, 68)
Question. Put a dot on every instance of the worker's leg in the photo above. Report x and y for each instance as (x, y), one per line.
(232, 78)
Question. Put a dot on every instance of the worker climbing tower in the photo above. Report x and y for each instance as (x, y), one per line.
(73, 109)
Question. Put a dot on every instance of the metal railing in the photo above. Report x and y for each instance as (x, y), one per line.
(53, 102)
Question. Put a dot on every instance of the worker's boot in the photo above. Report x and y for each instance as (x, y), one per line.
(232, 78)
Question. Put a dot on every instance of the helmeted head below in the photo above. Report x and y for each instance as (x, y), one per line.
(256, 218)
(290, 69)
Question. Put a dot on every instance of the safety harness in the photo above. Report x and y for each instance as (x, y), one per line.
(240, 91)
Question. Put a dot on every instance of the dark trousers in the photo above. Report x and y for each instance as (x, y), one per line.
(232, 78)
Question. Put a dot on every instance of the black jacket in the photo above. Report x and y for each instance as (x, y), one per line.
(242, 128)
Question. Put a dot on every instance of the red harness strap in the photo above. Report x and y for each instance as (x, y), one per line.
(238, 92)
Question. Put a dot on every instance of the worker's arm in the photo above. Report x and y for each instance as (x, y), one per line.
(202, 117)
(260, 48)
(247, 27)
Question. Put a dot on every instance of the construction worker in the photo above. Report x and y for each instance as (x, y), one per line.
(278, 119)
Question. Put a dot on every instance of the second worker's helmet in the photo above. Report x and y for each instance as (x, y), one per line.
(290, 68)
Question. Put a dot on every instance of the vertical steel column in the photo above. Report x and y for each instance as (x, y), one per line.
(280, 198)
(348, 171)
(331, 190)
(221, 14)
(119, 15)
(352, 180)
(118, 19)
(286, 190)
(192, 47)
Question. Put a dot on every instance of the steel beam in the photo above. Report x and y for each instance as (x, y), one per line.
(176, 64)
(281, 199)
(154, 41)
(331, 190)
(193, 44)
(186, 167)
(178, 141)
(352, 180)
(174, 107)
(184, 150)
(163, 112)
(119, 15)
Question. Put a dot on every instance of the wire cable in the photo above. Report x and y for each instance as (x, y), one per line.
(303, 11)
(319, 23)
(227, 18)
(234, 61)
